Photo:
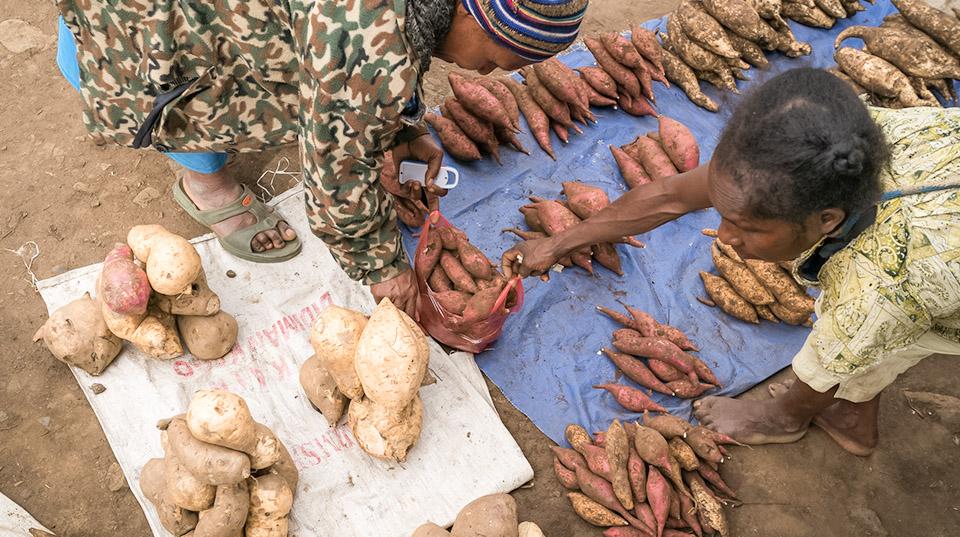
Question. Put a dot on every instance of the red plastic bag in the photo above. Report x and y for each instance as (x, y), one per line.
(448, 327)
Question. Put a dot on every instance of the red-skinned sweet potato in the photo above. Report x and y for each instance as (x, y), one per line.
(658, 496)
(453, 301)
(679, 144)
(478, 100)
(536, 118)
(652, 156)
(454, 140)
(504, 95)
(462, 280)
(439, 281)
(630, 398)
(570, 458)
(637, 473)
(668, 425)
(566, 476)
(599, 80)
(632, 171)
(123, 285)
(480, 306)
(475, 128)
(636, 106)
(623, 76)
(635, 370)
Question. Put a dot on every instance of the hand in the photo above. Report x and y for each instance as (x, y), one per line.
(401, 290)
(424, 149)
(529, 258)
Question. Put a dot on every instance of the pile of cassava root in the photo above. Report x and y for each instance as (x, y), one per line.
(658, 479)
(670, 370)
(375, 365)
(549, 217)
(717, 40)
(671, 150)
(750, 289)
(494, 515)
(151, 292)
(908, 57)
(222, 475)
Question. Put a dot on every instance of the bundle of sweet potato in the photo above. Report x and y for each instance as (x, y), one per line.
(549, 217)
(717, 40)
(750, 289)
(465, 283)
(656, 479)
(222, 473)
(671, 150)
(908, 57)
(669, 370)
(626, 69)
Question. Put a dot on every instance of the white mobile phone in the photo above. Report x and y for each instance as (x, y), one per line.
(414, 170)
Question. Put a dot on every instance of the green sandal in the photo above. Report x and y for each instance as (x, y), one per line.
(238, 242)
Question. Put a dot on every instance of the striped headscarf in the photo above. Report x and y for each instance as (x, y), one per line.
(533, 29)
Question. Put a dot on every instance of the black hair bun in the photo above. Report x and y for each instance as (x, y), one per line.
(847, 156)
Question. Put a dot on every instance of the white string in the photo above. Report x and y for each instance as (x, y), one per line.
(269, 191)
(21, 252)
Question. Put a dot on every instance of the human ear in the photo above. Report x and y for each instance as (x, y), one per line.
(831, 219)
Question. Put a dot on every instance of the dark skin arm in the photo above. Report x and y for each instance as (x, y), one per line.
(639, 210)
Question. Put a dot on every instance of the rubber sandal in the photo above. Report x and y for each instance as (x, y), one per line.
(238, 242)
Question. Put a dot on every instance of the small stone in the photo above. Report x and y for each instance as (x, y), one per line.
(19, 36)
(147, 196)
(115, 479)
(231, 274)
(80, 186)
(95, 203)
(45, 422)
(98, 388)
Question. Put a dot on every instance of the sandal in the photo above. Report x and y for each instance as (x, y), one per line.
(238, 242)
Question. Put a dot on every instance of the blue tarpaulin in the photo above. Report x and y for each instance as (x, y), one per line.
(548, 359)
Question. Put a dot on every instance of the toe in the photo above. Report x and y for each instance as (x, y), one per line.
(257, 243)
(286, 231)
(273, 237)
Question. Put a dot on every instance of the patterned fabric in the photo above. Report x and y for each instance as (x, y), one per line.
(900, 278)
(532, 29)
(334, 75)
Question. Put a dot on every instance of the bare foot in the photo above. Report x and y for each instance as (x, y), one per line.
(215, 190)
(853, 426)
(748, 421)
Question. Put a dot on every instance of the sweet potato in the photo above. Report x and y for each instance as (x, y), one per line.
(652, 156)
(652, 447)
(935, 23)
(636, 106)
(724, 296)
(536, 118)
(570, 458)
(505, 96)
(877, 75)
(637, 475)
(688, 512)
(558, 111)
(584, 200)
(748, 50)
(914, 56)
(665, 371)
(567, 477)
(645, 41)
(654, 348)
(473, 260)
(430, 529)
(562, 133)
(857, 88)
(450, 237)
(454, 140)
(77, 335)
(683, 453)
(621, 50)
(321, 390)
(606, 255)
(453, 301)
(649, 327)
(808, 16)
(493, 514)
(153, 333)
(674, 519)
(683, 76)
(713, 477)
(782, 285)
(172, 264)
(392, 357)
(789, 316)
(286, 468)
(510, 138)
(123, 285)
(478, 100)
(578, 437)
(480, 306)
(334, 336)
(266, 450)
(599, 80)
(222, 418)
(668, 425)
(554, 76)
(697, 57)
(658, 496)
(618, 451)
(703, 29)
(462, 280)
(439, 281)
(385, 432)
(700, 440)
(475, 128)
(529, 529)
(174, 519)
(183, 488)
(708, 505)
(270, 501)
(679, 144)
(200, 301)
(426, 262)
(636, 371)
(743, 20)
(620, 318)
(593, 512)
(630, 398)
(623, 76)
(208, 337)
(212, 464)
(741, 279)
(645, 513)
(725, 82)
(596, 99)
(597, 460)
(599, 490)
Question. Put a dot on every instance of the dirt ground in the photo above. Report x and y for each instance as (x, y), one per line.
(72, 199)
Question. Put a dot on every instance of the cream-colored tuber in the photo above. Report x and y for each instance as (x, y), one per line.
(174, 519)
(208, 337)
(334, 337)
(172, 263)
(154, 333)
(385, 433)
(321, 390)
(76, 334)
(222, 418)
(270, 502)
(201, 300)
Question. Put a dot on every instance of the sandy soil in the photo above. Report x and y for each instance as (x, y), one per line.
(73, 199)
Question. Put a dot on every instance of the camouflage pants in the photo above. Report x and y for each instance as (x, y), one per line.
(336, 76)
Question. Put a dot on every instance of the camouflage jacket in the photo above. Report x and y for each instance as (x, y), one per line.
(336, 76)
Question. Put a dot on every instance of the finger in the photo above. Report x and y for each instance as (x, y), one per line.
(433, 166)
(507, 261)
(433, 203)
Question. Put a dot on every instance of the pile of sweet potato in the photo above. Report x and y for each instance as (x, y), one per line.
(671, 150)
(717, 40)
(656, 479)
(750, 289)
(669, 370)
(222, 473)
(908, 57)
(549, 217)
(493, 515)
(152, 293)
(820, 13)
(376, 366)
